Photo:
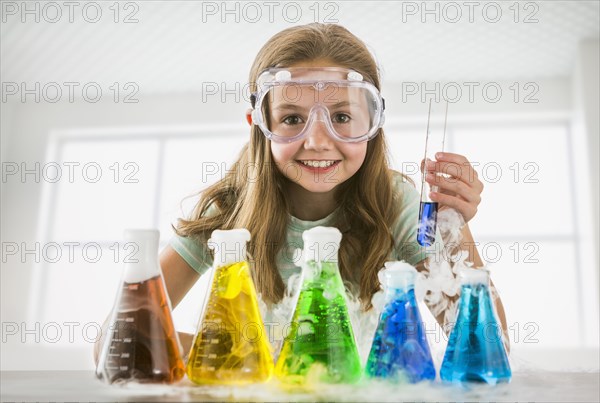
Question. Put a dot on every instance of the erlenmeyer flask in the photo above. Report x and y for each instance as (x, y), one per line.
(141, 344)
(475, 351)
(320, 346)
(231, 344)
(400, 350)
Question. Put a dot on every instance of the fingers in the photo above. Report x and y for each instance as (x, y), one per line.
(454, 187)
(468, 210)
(458, 183)
(455, 166)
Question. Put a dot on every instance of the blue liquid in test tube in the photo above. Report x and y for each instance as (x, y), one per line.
(427, 223)
(434, 142)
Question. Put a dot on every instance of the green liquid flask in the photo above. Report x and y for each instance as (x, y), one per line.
(231, 345)
(320, 346)
(141, 344)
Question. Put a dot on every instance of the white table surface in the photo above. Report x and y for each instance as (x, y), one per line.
(82, 386)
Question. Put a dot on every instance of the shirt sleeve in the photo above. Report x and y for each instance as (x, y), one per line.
(406, 226)
(193, 251)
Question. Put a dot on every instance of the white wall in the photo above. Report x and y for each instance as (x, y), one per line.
(586, 122)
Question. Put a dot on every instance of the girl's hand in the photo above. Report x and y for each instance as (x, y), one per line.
(458, 184)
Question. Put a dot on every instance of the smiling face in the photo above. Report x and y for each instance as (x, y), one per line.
(318, 163)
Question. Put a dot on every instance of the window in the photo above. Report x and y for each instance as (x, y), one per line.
(526, 227)
(119, 180)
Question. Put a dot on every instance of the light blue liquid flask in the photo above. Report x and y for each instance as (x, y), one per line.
(400, 350)
(475, 351)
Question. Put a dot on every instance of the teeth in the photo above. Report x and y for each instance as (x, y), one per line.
(317, 164)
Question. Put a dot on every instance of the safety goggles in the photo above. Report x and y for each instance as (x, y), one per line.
(289, 102)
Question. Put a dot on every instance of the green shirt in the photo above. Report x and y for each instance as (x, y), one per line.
(288, 259)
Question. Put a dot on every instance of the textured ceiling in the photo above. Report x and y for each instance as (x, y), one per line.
(176, 46)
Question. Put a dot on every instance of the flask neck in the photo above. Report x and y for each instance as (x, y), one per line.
(318, 270)
(469, 276)
(474, 285)
(397, 278)
(229, 246)
(141, 259)
(399, 292)
(321, 244)
(228, 255)
(473, 298)
(474, 290)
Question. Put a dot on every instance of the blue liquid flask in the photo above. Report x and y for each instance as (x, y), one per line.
(434, 142)
(400, 350)
(475, 351)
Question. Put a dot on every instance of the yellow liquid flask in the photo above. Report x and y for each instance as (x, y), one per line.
(320, 346)
(141, 344)
(231, 345)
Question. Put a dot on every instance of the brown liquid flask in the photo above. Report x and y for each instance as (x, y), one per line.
(141, 344)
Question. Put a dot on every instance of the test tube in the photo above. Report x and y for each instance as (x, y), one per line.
(434, 142)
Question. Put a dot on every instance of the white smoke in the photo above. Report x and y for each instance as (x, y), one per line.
(440, 286)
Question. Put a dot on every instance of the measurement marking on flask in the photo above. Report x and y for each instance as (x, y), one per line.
(218, 355)
(142, 344)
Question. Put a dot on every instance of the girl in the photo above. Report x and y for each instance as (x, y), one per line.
(317, 156)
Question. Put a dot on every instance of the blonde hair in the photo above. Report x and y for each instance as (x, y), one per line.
(368, 205)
